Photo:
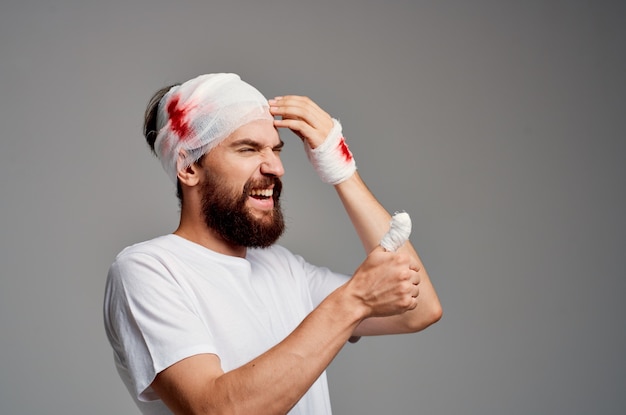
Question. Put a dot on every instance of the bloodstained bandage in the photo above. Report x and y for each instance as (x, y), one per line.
(347, 154)
(178, 118)
(197, 115)
(332, 160)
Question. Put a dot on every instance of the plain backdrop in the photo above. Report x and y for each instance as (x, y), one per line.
(498, 125)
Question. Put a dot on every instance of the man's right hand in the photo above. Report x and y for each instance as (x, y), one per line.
(385, 284)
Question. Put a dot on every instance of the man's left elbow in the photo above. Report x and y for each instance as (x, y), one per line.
(428, 317)
(436, 313)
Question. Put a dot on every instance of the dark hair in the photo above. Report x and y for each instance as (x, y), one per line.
(151, 116)
(150, 123)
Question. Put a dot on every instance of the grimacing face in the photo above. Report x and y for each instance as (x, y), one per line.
(241, 187)
(227, 212)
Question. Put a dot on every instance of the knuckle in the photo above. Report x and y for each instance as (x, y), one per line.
(407, 276)
(406, 302)
(402, 258)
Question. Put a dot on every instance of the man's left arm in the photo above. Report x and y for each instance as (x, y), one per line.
(370, 219)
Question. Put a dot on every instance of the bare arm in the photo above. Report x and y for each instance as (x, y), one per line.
(273, 382)
(370, 219)
(371, 222)
(381, 297)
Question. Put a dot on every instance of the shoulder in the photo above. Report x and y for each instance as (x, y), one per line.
(153, 246)
(165, 249)
(144, 258)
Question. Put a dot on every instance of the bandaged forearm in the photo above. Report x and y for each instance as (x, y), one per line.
(332, 160)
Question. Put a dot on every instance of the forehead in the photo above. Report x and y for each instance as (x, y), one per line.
(260, 131)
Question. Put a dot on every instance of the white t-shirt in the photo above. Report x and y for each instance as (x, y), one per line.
(169, 298)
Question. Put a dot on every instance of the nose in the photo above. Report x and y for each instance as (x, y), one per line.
(272, 165)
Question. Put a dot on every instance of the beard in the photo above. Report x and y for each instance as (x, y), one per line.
(227, 214)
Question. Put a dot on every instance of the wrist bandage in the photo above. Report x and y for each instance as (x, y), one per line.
(399, 231)
(332, 159)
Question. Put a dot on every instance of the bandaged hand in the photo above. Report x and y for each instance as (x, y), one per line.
(322, 136)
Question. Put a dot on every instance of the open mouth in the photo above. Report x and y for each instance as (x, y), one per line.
(261, 194)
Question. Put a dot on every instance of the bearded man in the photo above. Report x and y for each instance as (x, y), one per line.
(216, 317)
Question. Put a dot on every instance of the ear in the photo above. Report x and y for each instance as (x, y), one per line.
(190, 176)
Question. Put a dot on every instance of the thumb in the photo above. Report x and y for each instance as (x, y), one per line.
(399, 231)
(378, 249)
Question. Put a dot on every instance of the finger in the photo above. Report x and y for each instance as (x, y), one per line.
(415, 292)
(301, 128)
(291, 106)
(314, 132)
(296, 107)
(416, 278)
(378, 248)
(297, 101)
(320, 122)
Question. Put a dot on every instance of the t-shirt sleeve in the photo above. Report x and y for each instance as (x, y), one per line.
(150, 320)
(321, 280)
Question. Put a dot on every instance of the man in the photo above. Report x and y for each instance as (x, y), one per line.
(216, 318)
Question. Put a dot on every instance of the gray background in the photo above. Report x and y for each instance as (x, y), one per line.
(498, 125)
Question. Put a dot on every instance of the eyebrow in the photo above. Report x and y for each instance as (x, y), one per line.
(255, 144)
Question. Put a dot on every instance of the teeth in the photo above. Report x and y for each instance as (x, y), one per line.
(262, 192)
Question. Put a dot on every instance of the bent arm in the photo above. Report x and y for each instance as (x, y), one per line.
(274, 382)
(270, 384)
(371, 222)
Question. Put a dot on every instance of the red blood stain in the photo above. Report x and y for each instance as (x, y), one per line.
(178, 118)
(345, 151)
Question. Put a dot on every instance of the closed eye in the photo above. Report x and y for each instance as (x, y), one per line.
(248, 146)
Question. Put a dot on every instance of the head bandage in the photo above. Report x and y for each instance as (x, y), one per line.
(196, 116)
